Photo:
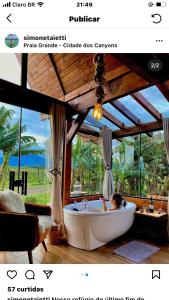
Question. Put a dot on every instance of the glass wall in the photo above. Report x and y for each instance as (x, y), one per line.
(24, 142)
(87, 167)
(9, 141)
(35, 155)
(140, 166)
(154, 179)
(126, 162)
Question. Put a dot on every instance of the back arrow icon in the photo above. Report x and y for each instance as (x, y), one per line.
(158, 18)
(8, 18)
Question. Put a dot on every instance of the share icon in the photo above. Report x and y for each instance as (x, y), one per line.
(48, 273)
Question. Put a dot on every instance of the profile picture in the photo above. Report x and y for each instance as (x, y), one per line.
(11, 41)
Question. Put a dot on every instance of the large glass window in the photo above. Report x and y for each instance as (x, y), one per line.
(140, 166)
(9, 141)
(126, 161)
(24, 142)
(87, 167)
(155, 181)
(35, 155)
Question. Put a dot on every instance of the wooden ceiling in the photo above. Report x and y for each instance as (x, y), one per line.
(60, 75)
(69, 78)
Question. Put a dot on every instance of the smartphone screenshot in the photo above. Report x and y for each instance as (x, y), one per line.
(84, 150)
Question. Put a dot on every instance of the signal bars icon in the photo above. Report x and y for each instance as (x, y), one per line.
(7, 4)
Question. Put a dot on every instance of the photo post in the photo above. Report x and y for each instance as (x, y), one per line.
(84, 150)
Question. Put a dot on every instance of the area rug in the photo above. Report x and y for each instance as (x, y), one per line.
(136, 251)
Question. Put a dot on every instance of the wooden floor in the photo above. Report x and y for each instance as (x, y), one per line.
(65, 254)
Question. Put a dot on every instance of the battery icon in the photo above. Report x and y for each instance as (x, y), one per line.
(161, 4)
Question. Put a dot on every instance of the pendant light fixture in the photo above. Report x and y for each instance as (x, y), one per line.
(100, 81)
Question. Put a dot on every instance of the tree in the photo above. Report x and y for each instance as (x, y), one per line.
(125, 166)
(87, 165)
(155, 162)
(148, 174)
(10, 141)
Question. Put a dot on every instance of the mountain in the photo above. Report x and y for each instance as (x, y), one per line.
(31, 160)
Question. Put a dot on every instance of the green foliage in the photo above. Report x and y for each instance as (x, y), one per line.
(87, 166)
(125, 166)
(38, 198)
(148, 174)
(139, 166)
(155, 161)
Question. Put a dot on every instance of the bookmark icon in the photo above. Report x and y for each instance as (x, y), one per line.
(156, 274)
(48, 273)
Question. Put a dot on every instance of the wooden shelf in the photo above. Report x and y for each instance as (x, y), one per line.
(155, 214)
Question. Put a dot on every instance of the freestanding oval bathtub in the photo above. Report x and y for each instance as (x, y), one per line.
(88, 227)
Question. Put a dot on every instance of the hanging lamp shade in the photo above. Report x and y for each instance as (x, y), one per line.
(97, 112)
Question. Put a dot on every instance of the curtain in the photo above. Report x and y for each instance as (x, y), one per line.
(108, 183)
(166, 141)
(58, 124)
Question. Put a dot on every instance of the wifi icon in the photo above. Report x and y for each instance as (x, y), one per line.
(40, 3)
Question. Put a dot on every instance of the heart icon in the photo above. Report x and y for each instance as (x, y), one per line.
(11, 274)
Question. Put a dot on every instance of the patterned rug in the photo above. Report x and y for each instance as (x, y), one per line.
(136, 251)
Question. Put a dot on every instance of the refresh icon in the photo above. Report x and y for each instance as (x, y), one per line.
(157, 18)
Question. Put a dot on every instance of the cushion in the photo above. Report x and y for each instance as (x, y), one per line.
(45, 223)
(11, 202)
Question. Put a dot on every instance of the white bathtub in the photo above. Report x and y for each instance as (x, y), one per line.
(90, 227)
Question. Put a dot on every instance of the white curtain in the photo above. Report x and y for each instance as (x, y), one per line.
(58, 124)
(108, 183)
(166, 140)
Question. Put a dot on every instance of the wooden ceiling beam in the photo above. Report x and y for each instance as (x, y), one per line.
(87, 130)
(125, 111)
(76, 124)
(129, 83)
(145, 128)
(112, 119)
(24, 70)
(129, 63)
(164, 90)
(57, 74)
(147, 105)
(14, 94)
(128, 114)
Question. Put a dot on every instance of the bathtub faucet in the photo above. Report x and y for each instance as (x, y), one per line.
(85, 201)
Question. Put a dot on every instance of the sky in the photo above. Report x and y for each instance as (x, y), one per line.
(10, 70)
